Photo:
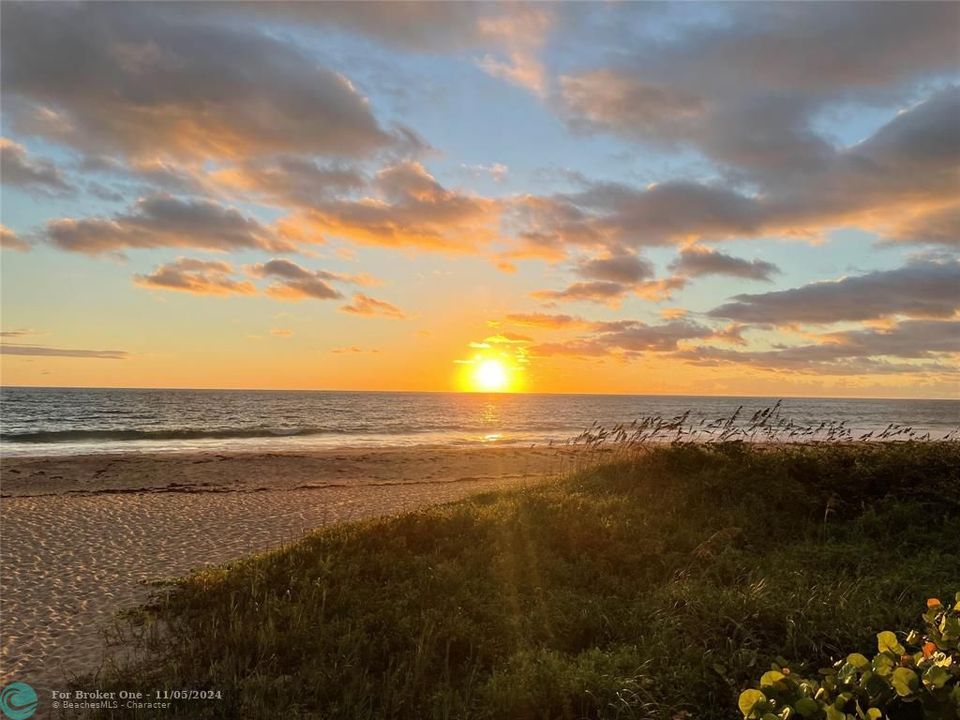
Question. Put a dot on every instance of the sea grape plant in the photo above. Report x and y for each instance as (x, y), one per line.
(916, 675)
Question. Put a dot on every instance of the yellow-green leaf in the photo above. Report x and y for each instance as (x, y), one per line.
(883, 665)
(905, 681)
(771, 678)
(887, 642)
(751, 700)
(859, 661)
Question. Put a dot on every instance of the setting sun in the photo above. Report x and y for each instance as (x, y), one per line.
(491, 376)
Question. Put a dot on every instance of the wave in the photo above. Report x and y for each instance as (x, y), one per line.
(468, 429)
(61, 436)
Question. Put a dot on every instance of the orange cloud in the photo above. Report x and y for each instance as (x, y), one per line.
(547, 320)
(353, 349)
(44, 351)
(370, 307)
(409, 209)
(294, 282)
(9, 240)
(201, 277)
(611, 293)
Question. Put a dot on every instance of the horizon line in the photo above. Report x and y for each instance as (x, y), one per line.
(462, 392)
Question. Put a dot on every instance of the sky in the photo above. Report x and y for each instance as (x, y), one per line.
(676, 198)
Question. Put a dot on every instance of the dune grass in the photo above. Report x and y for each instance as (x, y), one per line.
(663, 582)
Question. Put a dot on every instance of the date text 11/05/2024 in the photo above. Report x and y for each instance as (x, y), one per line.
(134, 699)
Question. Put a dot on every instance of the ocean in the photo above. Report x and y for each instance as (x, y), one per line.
(58, 421)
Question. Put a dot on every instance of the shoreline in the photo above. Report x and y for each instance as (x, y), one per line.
(85, 536)
(209, 471)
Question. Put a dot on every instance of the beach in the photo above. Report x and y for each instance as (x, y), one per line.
(83, 536)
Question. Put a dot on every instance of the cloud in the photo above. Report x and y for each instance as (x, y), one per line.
(612, 293)
(522, 32)
(937, 227)
(907, 339)
(731, 334)
(292, 181)
(910, 163)
(201, 277)
(508, 338)
(627, 337)
(547, 320)
(370, 307)
(411, 26)
(9, 240)
(698, 261)
(614, 216)
(911, 346)
(923, 289)
(745, 90)
(281, 332)
(780, 362)
(353, 349)
(597, 291)
(165, 221)
(512, 33)
(409, 208)
(520, 67)
(214, 277)
(148, 81)
(21, 170)
(914, 345)
(497, 172)
(749, 94)
(617, 100)
(619, 268)
(297, 283)
(18, 333)
(610, 277)
(43, 351)
(401, 205)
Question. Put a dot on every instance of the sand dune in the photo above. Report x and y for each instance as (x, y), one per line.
(82, 535)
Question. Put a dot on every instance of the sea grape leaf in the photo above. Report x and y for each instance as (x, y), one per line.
(887, 642)
(771, 678)
(905, 681)
(750, 700)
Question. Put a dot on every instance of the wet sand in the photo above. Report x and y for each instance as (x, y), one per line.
(82, 535)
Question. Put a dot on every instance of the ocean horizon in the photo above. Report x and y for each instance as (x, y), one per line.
(40, 421)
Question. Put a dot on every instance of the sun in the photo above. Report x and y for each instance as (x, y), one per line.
(491, 376)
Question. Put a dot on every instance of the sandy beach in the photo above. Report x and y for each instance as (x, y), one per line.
(83, 535)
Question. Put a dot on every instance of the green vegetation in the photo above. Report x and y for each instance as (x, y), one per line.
(921, 674)
(659, 585)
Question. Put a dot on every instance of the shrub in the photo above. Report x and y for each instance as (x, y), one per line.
(918, 676)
